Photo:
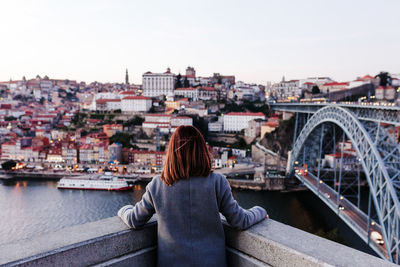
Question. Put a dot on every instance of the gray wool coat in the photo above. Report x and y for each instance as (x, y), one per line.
(190, 231)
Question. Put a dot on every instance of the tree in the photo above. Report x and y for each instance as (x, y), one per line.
(152, 109)
(137, 120)
(201, 124)
(8, 165)
(178, 83)
(79, 119)
(315, 90)
(123, 138)
(384, 78)
(186, 83)
(10, 118)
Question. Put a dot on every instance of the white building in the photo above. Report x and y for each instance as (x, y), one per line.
(286, 89)
(165, 123)
(103, 95)
(181, 120)
(157, 118)
(157, 84)
(190, 92)
(236, 121)
(333, 87)
(108, 104)
(243, 90)
(135, 104)
(215, 126)
(318, 81)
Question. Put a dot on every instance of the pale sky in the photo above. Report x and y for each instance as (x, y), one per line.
(258, 41)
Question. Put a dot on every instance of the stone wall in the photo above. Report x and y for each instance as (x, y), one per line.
(109, 242)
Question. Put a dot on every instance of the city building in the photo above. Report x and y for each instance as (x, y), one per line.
(216, 126)
(146, 157)
(348, 162)
(181, 120)
(70, 153)
(157, 84)
(111, 129)
(254, 128)
(236, 121)
(385, 93)
(115, 152)
(286, 89)
(165, 123)
(136, 104)
(190, 92)
(331, 87)
(268, 127)
(108, 104)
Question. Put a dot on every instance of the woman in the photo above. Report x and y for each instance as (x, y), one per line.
(188, 198)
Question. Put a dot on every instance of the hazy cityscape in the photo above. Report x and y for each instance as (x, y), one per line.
(302, 118)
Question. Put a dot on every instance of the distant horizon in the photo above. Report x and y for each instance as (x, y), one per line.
(258, 42)
(183, 73)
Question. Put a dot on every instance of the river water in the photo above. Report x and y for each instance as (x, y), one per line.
(30, 208)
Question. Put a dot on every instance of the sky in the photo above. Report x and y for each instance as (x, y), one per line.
(257, 41)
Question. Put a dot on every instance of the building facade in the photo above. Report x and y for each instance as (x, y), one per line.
(157, 84)
(136, 104)
(236, 121)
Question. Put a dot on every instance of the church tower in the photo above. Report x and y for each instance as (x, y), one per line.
(126, 77)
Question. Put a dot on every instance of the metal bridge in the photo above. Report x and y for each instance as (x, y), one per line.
(374, 159)
(386, 113)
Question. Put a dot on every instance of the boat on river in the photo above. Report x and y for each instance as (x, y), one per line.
(105, 181)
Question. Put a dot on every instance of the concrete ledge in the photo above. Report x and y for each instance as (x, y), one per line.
(80, 245)
(277, 244)
(109, 242)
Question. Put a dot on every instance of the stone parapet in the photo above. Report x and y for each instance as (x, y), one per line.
(109, 242)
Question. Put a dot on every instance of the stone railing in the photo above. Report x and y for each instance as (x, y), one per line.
(109, 242)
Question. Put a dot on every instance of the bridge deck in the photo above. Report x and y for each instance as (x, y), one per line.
(378, 112)
(351, 215)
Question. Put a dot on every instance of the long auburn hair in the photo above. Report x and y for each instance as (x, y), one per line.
(187, 155)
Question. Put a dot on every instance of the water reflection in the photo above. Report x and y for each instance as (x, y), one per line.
(34, 207)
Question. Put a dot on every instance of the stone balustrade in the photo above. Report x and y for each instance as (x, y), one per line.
(109, 242)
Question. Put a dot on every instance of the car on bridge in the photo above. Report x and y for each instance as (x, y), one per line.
(377, 237)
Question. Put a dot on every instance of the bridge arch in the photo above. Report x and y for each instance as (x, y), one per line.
(380, 183)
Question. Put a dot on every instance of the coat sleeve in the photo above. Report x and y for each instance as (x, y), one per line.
(138, 215)
(235, 215)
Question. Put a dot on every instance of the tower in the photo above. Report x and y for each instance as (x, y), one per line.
(190, 71)
(126, 77)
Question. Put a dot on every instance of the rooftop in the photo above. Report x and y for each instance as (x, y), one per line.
(245, 114)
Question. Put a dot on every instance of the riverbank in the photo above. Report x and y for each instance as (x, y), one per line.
(267, 184)
(28, 175)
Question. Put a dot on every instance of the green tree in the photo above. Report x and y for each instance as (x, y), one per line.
(10, 118)
(384, 78)
(201, 124)
(152, 109)
(137, 120)
(79, 119)
(123, 138)
(186, 83)
(178, 83)
(8, 165)
(315, 90)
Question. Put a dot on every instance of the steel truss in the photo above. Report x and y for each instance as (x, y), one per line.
(379, 157)
(387, 114)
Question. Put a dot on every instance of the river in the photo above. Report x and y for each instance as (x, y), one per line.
(30, 208)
